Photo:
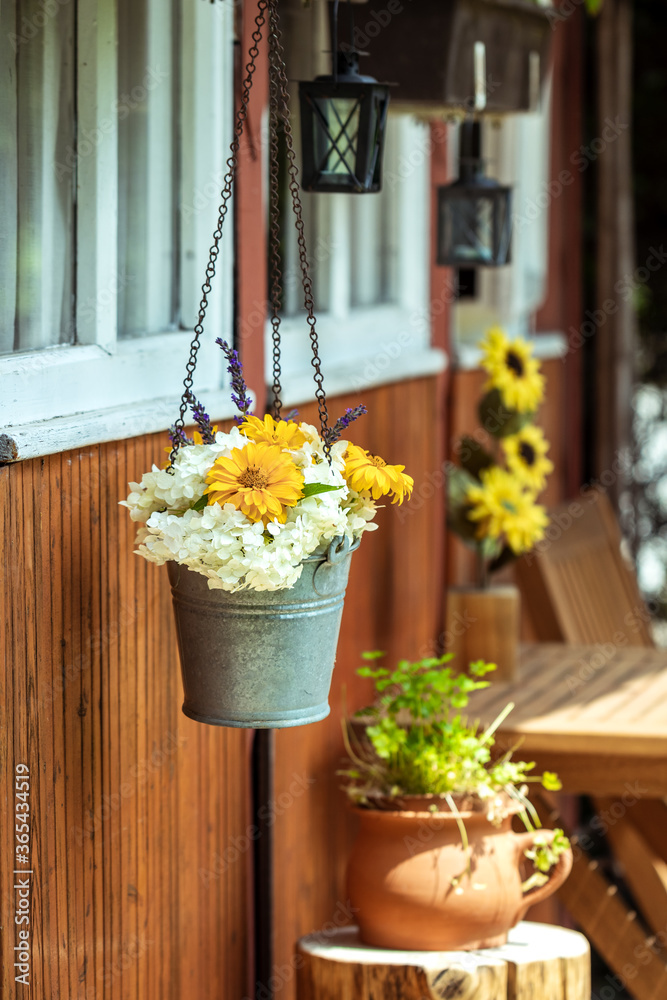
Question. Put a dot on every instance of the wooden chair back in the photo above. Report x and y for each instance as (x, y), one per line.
(577, 587)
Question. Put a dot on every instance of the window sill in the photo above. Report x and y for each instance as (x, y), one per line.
(377, 370)
(82, 430)
(72, 397)
(363, 350)
(546, 347)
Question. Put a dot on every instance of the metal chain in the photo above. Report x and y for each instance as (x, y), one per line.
(278, 109)
(274, 226)
(225, 196)
(278, 67)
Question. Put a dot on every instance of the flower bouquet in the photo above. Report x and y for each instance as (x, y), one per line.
(257, 525)
(492, 498)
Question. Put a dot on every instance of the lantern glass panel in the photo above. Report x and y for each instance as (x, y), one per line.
(472, 229)
(336, 134)
(342, 130)
(475, 226)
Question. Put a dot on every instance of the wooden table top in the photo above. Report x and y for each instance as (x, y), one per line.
(593, 701)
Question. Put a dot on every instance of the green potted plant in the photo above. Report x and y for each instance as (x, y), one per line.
(436, 864)
(492, 501)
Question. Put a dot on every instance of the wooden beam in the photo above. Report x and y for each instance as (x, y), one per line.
(614, 318)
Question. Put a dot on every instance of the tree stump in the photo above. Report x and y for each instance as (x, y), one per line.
(539, 962)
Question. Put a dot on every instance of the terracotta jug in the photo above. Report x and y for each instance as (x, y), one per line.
(400, 879)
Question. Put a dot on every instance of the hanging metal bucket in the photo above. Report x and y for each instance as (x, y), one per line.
(261, 659)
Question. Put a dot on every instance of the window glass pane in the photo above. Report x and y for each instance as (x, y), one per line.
(37, 176)
(148, 127)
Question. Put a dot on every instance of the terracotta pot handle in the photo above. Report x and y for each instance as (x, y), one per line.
(557, 875)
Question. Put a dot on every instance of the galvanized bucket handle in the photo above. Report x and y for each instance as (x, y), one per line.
(338, 549)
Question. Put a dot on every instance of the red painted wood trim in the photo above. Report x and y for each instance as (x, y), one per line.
(442, 294)
(251, 256)
(562, 309)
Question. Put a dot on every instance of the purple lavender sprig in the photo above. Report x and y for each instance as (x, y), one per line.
(177, 434)
(351, 414)
(202, 419)
(240, 397)
(292, 415)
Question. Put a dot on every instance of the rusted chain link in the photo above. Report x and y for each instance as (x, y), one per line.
(225, 196)
(278, 112)
(278, 66)
(274, 228)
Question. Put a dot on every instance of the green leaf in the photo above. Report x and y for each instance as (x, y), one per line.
(490, 548)
(369, 672)
(312, 489)
(459, 523)
(551, 781)
(506, 556)
(481, 667)
(373, 654)
(473, 457)
(201, 503)
(499, 421)
(458, 483)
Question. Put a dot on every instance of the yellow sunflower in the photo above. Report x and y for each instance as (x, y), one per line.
(526, 457)
(283, 432)
(512, 371)
(364, 471)
(502, 507)
(260, 480)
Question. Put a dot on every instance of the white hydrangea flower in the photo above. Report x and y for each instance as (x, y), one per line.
(223, 544)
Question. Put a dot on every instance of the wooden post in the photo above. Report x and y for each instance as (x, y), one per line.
(615, 319)
(538, 961)
(484, 625)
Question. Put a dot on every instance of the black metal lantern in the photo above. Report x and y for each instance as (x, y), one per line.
(474, 213)
(343, 124)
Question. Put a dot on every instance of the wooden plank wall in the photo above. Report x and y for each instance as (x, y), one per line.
(130, 800)
(134, 806)
(394, 602)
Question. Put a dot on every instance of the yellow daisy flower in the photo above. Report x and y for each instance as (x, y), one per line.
(512, 371)
(286, 433)
(503, 508)
(260, 480)
(526, 457)
(364, 471)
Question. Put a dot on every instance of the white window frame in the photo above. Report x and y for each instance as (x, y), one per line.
(363, 346)
(104, 388)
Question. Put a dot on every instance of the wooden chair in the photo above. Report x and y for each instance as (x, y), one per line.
(577, 587)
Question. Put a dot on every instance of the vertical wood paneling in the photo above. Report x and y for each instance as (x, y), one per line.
(131, 801)
(394, 602)
(134, 805)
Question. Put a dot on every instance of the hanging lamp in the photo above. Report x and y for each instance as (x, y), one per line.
(343, 125)
(474, 213)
